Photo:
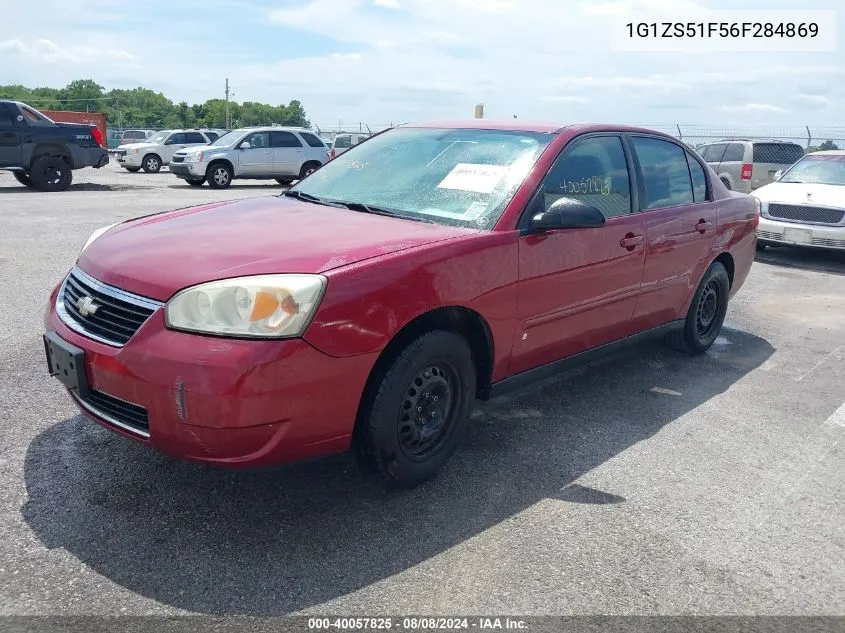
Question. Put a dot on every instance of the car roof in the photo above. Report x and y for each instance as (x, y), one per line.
(829, 152)
(518, 125)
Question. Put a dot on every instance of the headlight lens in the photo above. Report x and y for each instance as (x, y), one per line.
(134, 150)
(193, 158)
(263, 306)
(97, 234)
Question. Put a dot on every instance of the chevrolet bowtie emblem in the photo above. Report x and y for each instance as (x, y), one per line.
(86, 306)
(809, 196)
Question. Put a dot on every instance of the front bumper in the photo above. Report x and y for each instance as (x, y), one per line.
(188, 170)
(222, 401)
(797, 234)
(130, 160)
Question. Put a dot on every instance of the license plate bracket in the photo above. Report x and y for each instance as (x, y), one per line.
(798, 236)
(67, 363)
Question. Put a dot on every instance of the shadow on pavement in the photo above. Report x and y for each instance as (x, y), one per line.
(822, 260)
(272, 542)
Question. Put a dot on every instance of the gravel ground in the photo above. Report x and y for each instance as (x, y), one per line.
(649, 483)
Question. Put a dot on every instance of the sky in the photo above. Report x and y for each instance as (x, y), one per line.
(378, 62)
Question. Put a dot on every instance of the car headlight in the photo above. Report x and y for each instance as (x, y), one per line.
(97, 234)
(193, 158)
(134, 150)
(263, 306)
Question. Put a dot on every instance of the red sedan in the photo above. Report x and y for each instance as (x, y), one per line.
(373, 302)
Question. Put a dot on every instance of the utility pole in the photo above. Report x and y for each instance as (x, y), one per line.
(228, 120)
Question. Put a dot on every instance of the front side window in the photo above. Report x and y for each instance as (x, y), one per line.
(818, 169)
(176, 139)
(735, 153)
(594, 171)
(258, 140)
(666, 175)
(158, 137)
(459, 177)
(285, 139)
(5, 117)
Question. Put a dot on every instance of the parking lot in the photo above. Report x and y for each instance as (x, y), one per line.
(648, 483)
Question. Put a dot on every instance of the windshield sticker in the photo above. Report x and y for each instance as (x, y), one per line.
(476, 178)
(475, 210)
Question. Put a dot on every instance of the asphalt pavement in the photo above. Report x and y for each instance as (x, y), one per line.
(648, 483)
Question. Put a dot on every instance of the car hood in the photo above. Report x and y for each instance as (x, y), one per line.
(802, 193)
(136, 145)
(157, 255)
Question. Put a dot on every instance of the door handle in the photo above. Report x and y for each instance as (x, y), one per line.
(702, 226)
(631, 241)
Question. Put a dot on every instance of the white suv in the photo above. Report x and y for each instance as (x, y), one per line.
(283, 154)
(157, 150)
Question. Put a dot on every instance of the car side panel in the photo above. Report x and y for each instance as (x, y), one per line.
(479, 272)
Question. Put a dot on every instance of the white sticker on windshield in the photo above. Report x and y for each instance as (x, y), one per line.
(472, 177)
(475, 210)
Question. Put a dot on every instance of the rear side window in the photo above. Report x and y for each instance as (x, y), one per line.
(781, 153)
(5, 116)
(699, 181)
(734, 153)
(194, 137)
(285, 139)
(212, 136)
(312, 140)
(713, 153)
(666, 175)
(593, 170)
(342, 142)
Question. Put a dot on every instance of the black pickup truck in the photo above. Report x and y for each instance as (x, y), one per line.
(42, 153)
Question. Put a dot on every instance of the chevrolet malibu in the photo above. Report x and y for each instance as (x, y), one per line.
(371, 304)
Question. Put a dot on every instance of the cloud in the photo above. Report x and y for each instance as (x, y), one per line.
(754, 107)
(814, 101)
(387, 4)
(48, 51)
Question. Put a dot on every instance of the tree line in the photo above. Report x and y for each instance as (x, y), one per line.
(145, 108)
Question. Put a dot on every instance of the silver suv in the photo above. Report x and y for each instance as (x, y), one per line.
(744, 165)
(283, 154)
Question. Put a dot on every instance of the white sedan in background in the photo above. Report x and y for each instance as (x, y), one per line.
(805, 206)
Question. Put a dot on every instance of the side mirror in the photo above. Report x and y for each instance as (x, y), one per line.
(568, 213)
(245, 145)
(778, 175)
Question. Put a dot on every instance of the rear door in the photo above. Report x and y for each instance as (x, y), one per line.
(314, 147)
(679, 216)
(738, 166)
(288, 153)
(10, 138)
(257, 159)
(578, 287)
(771, 157)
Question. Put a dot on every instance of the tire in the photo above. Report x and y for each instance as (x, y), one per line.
(433, 377)
(219, 176)
(23, 178)
(761, 246)
(706, 313)
(195, 183)
(284, 181)
(50, 173)
(151, 163)
(133, 169)
(308, 168)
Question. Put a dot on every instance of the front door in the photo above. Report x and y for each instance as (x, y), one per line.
(10, 138)
(578, 287)
(680, 223)
(257, 158)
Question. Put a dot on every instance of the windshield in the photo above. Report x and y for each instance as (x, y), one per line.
(822, 170)
(228, 138)
(158, 137)
(460, 177)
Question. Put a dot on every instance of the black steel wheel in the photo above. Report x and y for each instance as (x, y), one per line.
(706, 313)
(23, 178)
(50, 173)
(195, 182)
(416, 408)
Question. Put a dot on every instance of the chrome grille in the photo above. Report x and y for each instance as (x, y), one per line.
(117, 314)
(768, 235)
(178, 159)
(120, 152)
(822, 241)
(806, 213)
(120, 413)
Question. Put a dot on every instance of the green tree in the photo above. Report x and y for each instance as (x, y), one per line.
(82, 95)
(828, 145)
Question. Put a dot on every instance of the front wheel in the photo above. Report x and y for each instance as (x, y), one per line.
(219, 176)
(151, 164)
(417, 411)
(706, 313)
(194, 182)
(23, 178)
(284, 181)
(133, 169)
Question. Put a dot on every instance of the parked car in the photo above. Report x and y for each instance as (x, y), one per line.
(135, 136)
(806, 204)
(259, 153)
(343, 142)
(744, 165)
(41, 153)
(158, 149)
(370, 304)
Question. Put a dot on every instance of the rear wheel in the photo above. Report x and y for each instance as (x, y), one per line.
(151, 163)
(308, 169)
(50, 173)
(133, 169)
(706, 313)
(195, 183)
(416, 413)
(23, 178)
(219, 176)
(284, 181)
